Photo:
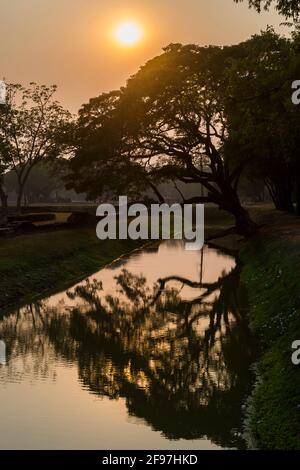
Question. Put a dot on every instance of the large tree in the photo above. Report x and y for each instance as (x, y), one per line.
(33, 128)
(168, 122)
(4, 166)
(263, 122)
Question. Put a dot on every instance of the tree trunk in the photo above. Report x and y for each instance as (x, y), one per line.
(286, 197)
(245, 226)
(228, 200)
(22, 180)
(20, 196)
(4, 206)
(281, 192)
(298, 193)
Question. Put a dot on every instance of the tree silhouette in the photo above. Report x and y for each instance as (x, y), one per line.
(174, 360)
(168, 123)
(179, 357)
(33, 128)
(288, 8)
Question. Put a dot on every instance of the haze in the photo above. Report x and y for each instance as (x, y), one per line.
(69, 42)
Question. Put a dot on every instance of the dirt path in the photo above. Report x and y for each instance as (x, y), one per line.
(273, 222)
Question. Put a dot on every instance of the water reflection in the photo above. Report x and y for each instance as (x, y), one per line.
(177, 349)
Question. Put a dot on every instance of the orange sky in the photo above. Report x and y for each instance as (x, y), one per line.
(69, 42)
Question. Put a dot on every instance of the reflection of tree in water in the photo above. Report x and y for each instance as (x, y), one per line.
(182, 364)
(178, 351)
(29, 353)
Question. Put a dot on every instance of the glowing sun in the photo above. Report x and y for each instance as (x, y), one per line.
(128, 33)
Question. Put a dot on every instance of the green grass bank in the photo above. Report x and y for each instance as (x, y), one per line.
(33, 265)
(36, 264)
(271, 273)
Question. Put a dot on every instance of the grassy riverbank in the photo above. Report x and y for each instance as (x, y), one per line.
(35, 264)
(272, 276)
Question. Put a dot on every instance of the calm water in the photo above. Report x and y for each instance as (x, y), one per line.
(151, 352)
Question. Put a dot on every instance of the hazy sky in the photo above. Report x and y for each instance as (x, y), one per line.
(70, 43)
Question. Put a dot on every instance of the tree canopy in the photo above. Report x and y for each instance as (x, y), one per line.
(288, 8)
(33, 128)
(263, 122)
(168, 123)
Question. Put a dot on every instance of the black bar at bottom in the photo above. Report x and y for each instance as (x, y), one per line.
(136, 459)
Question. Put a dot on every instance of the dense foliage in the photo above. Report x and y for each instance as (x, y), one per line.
(288, 8)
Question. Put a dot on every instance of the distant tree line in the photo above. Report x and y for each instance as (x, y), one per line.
(44, 184)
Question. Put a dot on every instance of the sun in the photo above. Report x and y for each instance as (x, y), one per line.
(128, 33)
